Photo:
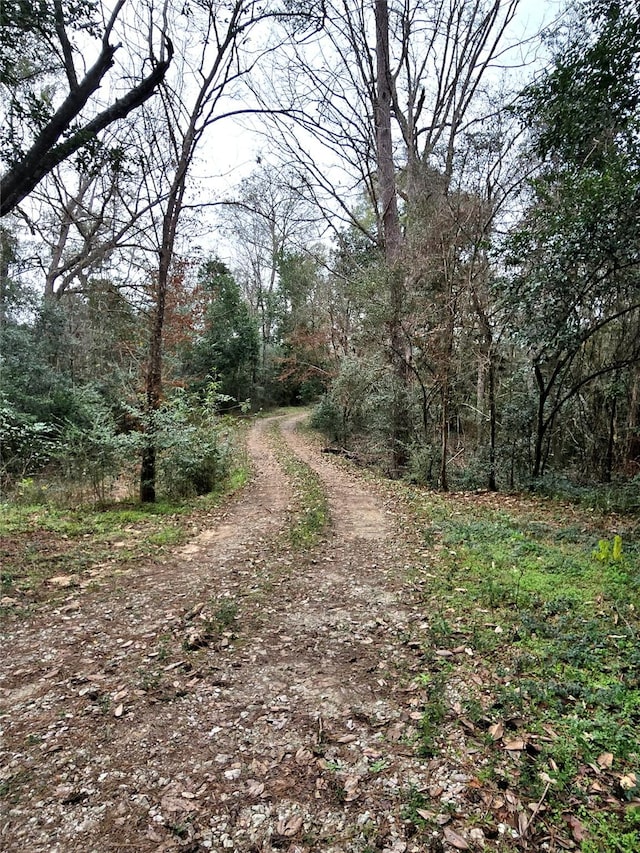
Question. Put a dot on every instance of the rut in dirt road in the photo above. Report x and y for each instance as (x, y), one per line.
(242, 696)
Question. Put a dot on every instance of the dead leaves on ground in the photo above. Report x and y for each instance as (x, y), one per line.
(607, 788)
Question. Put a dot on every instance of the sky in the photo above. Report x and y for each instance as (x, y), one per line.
(235, 150)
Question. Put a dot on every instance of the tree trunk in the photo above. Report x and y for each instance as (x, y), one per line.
(538, 452)
(391, 239)
(154, 383)
(6, 256)
(154, 366)
(444, 437)
(608, 462)
(632, 449)
(391, 232)
(493, 418)
(487, 332)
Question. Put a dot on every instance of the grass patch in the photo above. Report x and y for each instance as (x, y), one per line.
(547, 601)
(42, 542)
(311, 513)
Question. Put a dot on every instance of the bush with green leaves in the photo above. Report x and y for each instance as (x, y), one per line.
(92, 451)
(84, 450)
(195, 445)
(351, 406)
(424, 464)
(26, 443)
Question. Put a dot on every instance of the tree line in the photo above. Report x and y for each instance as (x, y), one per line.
(438, 245)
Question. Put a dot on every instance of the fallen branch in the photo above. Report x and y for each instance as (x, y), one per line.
(536, 809)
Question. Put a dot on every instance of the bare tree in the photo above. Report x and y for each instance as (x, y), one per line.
(199, 97)
(70, 127)
(394, 90)
(268, 216)
(92, 218)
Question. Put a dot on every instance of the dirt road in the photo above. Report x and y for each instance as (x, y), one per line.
(242, 695)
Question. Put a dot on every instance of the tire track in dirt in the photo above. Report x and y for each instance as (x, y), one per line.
(250, 520)
(356, 513)
(282, 729)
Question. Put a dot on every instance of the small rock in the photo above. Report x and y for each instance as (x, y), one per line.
(477, 835)
(232, 774)
(62, 581)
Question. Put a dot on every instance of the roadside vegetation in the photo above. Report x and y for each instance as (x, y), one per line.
(55, 536)
(531, 666)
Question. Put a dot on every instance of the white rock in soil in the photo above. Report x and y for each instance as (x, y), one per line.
(477, 835)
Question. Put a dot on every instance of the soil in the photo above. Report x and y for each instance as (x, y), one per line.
(239, 695)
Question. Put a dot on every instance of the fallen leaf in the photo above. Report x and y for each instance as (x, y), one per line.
(281, 785)
(352, 791)
(577, 829)
(289, 828)
(398, 846)
(304, 756)
(605, 761)
(171, 803)
(255, 788)
(496, 730)
(628, 781)
(62, 580)
(195, 611)
(425, 814)
(515, 745)
(455, 840)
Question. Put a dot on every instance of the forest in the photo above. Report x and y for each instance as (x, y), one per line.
(320, 426)
(433, 239)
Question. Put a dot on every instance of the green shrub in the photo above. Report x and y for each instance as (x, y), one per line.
(352, 404)
(92, 452)
(195, 447)
(424, 464)
(26, 444)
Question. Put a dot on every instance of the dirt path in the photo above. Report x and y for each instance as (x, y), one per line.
(240, 696)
